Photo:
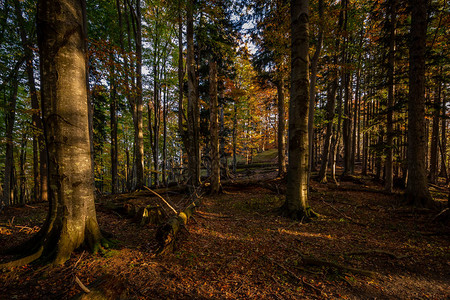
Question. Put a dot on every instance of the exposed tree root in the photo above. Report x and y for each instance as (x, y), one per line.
(306, 215)
(22, 261)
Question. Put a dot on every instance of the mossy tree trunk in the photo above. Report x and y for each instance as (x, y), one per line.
(72, 220)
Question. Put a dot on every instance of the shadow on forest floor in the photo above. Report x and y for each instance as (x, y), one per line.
(237, 247)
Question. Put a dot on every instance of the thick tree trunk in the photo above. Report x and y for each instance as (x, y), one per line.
(281, 129)
(214, 128)
(296, 205)
(417, 192)
(72, 220)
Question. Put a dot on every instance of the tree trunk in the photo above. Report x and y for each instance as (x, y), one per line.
(113, 122)
(443, 171)
(435, 136)
(417, 192)
(22, 161)
(39, 154)
(72, 219)
(138, 122)
(389, 163)
(9, 156)
(312, 87)
(193, 117)
(281, 130)
(214, 127)
(296, 205)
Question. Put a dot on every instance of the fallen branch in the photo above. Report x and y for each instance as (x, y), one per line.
(164, 200)
(81, 285)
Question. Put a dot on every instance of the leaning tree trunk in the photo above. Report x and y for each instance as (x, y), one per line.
(296, 205)
(72, 220)
(417, 192)
(214, 127)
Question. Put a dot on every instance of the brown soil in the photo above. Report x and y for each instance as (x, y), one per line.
(238, 247)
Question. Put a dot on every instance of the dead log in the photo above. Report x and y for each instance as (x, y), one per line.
(166, 234)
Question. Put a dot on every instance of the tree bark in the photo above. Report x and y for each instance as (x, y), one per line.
(296, 205)
(417, 192)
(72, 219)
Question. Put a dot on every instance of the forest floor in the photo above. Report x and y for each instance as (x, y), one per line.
(237, 247)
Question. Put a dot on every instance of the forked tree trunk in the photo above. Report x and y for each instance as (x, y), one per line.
(296, 205)
(72, 220)
(214, 128)
(417, 192)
